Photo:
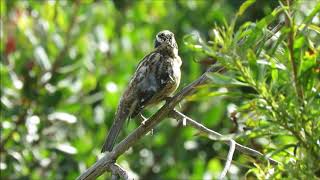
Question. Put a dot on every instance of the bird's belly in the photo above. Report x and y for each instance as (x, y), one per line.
(171, 85)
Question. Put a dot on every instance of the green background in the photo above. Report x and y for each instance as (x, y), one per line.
(64, 65)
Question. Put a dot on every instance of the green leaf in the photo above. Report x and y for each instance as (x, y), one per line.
(274, 72)
(198, 168)
(314, 28)
(215, 166)
(89, 82)
(314, 12)
(298, 43)
(224, 80)
(264, 22)
(252, 59)
(308, 62)
(42, 58)
(270, 63)
(245, 6)
(62, 116)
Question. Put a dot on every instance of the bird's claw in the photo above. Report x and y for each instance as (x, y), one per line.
(167, 99)
(142, 119)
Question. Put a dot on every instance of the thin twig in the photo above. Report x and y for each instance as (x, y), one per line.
(232, 144)
(270, 34)
(217, 136)
(291, 36)
(119, 171)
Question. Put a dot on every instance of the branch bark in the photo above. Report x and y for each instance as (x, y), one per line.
(104, 163)
(219, 137)
(289, 20)
(229, 159)
(119, 171)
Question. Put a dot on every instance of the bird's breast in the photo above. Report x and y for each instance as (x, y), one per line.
(172, 76)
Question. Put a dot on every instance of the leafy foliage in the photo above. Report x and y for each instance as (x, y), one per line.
(65, 64)
(280, 102)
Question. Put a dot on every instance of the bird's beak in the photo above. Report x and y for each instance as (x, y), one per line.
(169, 43)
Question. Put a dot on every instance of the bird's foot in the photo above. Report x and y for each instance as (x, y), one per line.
(167, 99)
(151, 132)
(143, 122)
(142, 119)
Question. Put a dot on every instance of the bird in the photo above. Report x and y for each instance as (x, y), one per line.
(156, 78)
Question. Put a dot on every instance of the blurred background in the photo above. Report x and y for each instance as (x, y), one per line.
(64, 65)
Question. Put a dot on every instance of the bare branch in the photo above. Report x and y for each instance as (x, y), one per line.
(119, 171)
(217, 136)
(232, 144)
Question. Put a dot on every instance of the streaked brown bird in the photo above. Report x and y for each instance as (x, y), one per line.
(157, 76)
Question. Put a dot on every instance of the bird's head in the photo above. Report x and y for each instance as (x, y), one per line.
(165, 37)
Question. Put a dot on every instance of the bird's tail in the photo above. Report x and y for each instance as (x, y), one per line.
(118, 122)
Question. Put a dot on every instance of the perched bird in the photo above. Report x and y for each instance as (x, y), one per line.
(157, 76)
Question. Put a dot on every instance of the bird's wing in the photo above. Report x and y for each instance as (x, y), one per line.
(144, 85)
(134, 98)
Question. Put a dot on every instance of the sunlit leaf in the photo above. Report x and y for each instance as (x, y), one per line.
(244, 6)
(42, 58)
(215, 166)
(225, 80)
(67, 148)
(62, 116)
(313, 13)
(299, 42)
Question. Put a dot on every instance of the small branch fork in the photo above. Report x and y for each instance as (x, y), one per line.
(116, 171)
(107, 162)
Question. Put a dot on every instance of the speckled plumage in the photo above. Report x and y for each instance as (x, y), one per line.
(157, 76)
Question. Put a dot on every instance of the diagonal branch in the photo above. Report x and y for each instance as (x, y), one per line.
(104, 163)
(217, 136)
